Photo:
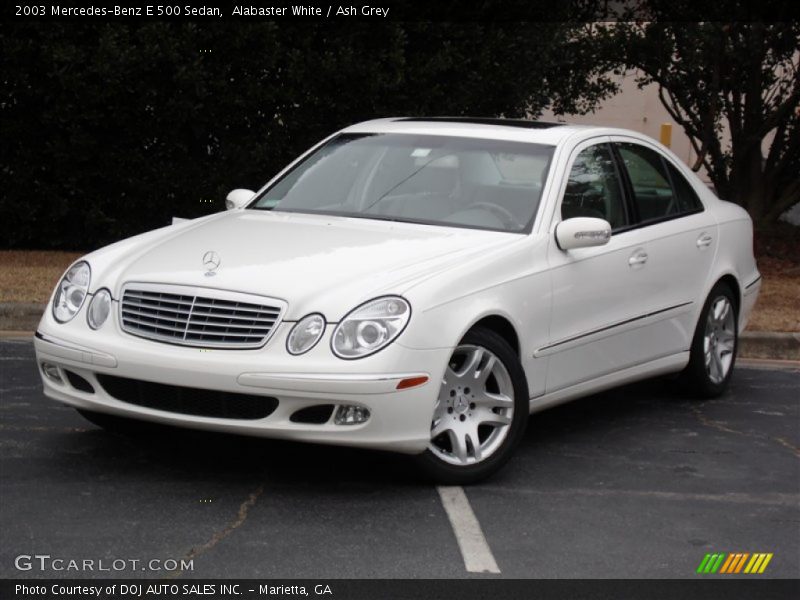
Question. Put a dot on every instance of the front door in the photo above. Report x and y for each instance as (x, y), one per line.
(602, 295)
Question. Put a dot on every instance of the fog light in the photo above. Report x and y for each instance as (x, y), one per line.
(51, 372)
(351, 415)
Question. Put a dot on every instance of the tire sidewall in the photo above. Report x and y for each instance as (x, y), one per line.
(698, 377)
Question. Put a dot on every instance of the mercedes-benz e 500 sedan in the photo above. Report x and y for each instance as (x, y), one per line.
(415, 285)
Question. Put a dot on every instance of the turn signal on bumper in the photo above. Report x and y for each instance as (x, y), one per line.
(404, 384)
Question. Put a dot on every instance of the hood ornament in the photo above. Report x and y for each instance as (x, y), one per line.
(211, 262)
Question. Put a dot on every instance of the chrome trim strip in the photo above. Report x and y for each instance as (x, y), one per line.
(338, 376)
(609, 327)
(63, 343)
(328, 385)
(76, 352)
(752, 283)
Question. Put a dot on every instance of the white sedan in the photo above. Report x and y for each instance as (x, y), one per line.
(414, 285)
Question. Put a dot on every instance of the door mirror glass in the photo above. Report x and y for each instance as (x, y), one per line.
(238, 198)
(582, 232)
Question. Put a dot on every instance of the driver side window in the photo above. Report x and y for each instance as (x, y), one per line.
(594, 188)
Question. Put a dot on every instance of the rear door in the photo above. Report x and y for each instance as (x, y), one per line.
(681, 240)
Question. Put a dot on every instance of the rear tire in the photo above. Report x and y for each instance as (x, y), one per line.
(716, 339)
(481, 412)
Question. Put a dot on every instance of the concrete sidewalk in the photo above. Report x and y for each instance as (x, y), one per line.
(23, 317)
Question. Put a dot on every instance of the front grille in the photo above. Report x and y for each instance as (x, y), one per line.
(186, 400)
(198, 316)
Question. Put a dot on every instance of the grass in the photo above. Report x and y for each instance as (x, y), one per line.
(778, 255)
(30, 276)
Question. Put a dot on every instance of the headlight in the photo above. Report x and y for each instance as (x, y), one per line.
(99, 309)
(305, 334)
(370, 327)
(71, 292)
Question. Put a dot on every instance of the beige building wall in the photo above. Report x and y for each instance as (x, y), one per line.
(641, 110)
(637, 109)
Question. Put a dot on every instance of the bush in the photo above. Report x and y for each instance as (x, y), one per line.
(109, 130)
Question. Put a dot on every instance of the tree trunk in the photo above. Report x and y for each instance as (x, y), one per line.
(749, 186)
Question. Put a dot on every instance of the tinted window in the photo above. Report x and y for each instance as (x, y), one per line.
(594, 189)
(688, 201)
(652, 191)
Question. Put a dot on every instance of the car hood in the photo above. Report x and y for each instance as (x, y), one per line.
(315, 263)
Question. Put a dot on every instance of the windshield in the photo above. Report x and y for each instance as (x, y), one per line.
(462, 182)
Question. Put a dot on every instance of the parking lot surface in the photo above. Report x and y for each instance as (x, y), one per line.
(637, 482)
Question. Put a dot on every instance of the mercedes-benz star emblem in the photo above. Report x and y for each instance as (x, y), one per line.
(211, 263)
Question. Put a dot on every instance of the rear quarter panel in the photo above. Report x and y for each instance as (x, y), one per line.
(735, 255)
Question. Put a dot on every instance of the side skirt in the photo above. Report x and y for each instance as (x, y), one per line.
(660, 366)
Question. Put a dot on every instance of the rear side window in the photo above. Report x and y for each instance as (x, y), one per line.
(688, 202)
(659, 190)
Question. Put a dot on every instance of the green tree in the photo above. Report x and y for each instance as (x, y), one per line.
(109, 129)
(743, 77)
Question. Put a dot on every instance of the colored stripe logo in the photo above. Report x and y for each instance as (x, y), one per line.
(734, 562)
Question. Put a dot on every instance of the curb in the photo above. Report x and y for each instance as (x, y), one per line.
(769, 345)
(24, 316)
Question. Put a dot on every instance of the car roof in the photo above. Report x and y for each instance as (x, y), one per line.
(483, 121)
(539, 132)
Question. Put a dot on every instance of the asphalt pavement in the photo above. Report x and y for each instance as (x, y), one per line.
(639, 482)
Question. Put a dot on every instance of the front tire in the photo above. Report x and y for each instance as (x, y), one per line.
(716, 339)
(480, 415)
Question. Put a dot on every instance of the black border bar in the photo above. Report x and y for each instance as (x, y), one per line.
(99, 11)
(704, 587)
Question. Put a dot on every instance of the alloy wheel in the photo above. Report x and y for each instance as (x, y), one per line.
(475, 407)
(719, 342)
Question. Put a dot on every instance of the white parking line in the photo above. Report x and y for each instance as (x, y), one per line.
(475, 550)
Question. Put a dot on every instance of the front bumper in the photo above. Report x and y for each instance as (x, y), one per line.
(399, 419)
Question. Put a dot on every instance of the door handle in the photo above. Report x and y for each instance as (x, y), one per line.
(637, 259)
(704, 241)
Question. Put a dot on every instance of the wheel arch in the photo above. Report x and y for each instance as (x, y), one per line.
(698, 375)
(501, 326)
(731, 281)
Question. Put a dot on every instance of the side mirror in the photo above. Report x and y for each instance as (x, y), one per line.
(582, 232)
(238, 198)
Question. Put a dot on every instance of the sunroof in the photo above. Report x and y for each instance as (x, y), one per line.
(485, 121)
